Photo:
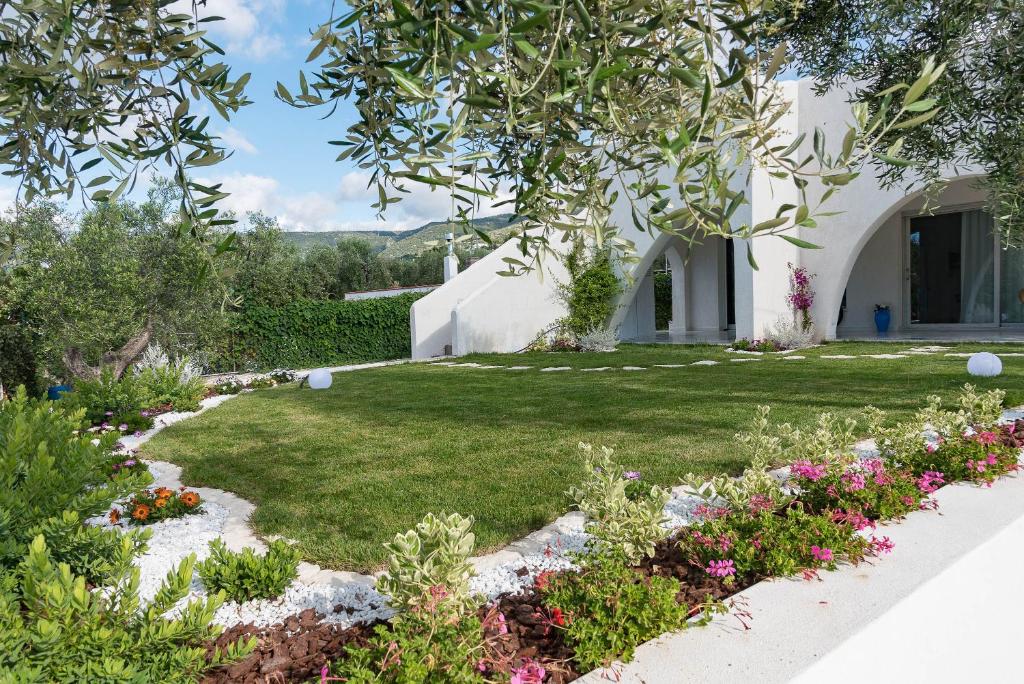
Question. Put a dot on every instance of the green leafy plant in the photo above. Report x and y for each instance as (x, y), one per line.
(108, 396)
(54, 629)
(261, 382)
(282, 376)
(246, 576)
(51, 477)
(608, 609)
(429, 560)
(763, 542)
(229, 386)
(590, 293)
(417, 648)
(310, 333)
(866, 489)
(618, 522)
(18, 364)
(163, 380)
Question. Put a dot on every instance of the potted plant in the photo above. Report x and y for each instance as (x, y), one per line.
(882, 318)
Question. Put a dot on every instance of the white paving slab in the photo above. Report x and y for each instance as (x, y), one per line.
(633, 368)
(793, 357)
(551, 369)
(705, 362)
(836, 356)
(885, 356)
(743, 360)
(670, 365)
(519, 368)
(596, 370)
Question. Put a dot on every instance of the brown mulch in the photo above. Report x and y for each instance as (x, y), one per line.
(297, 650)
(294, 651)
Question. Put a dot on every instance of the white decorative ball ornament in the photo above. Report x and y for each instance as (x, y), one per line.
(319, 379)
(984, 364)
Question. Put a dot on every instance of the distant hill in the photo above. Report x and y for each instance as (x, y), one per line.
(408, 243)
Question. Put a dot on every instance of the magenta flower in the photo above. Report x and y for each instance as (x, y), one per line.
(123, 427)
(821, 554)
(854, 481)
(759, 502)
(930, 480)
(931, 447)
(721, 568)
(880, 546)
(530, 672)
(137, 433)
(631, 474)
(987, 437)
(808, 470)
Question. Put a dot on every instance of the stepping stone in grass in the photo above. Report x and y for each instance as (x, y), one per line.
(705, 362)
(444, 363)
(594, 370)
(633, 368)
(884, 356)
(962, 355)
(743, 360)
(467, 365)
(670, 365)
(488, 367)
(555, 368)
(793, 358)
(836, 356)
(519, 368)
(1009, 354)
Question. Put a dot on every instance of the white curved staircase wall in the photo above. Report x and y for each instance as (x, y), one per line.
(481, 311)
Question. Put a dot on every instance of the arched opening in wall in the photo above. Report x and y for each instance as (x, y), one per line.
(687, 294)
(937, 274)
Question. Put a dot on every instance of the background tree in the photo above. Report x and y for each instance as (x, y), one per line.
(93, 92)
(979, 117)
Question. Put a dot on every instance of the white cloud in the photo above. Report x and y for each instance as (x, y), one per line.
(236, 140)
(246, 29)
(301, 211)
(422, 204)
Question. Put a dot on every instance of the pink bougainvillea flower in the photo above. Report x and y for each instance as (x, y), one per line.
(721, 568)
(821, 554)
(530, 672)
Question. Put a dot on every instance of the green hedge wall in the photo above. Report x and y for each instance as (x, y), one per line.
(310, 333)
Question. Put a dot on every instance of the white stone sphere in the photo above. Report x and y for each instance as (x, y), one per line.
(319, 379)
(984, 364)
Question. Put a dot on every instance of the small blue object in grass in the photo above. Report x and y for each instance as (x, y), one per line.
(55, 392)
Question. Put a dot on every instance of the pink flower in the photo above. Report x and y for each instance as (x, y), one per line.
(991, 459)
(502, 627)
(759, 502)
(808, 470)
(631, 474)
(831, 491)
(880, 546)
(721, 568)
(709, 513)
(530, 672)
(856, 520)
(930, 480)
(931, 447)
(821, 554)
(854, 481)
(987, 437)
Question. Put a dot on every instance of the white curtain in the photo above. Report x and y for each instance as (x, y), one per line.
(977, 268)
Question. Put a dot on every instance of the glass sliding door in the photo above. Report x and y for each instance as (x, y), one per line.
(952, 269)
(1011, 286)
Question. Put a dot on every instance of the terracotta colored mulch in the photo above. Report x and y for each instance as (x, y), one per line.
(294, 651)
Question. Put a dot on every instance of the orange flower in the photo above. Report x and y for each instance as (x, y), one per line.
(160, 503)
(162, 492)
(140, 512)
(115, 516)
(190, 499)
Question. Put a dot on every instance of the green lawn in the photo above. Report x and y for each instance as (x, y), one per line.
(343, 470)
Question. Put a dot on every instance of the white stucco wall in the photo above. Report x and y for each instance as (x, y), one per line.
(481, 311)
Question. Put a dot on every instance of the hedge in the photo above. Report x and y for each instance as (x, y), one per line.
(18, 359)
(309, 333)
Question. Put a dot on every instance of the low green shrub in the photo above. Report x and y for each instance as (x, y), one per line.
(246, 576)
(418, 648)
(54, 629)
(607, 609)
(48, 472)
(763, 542)
(430, 560)
(282, 376)
(261, 382)
(310, 333)
(591, 291)
(622, 515)
(163, 380)
(229, 386)
(867, 489)
(108, 397)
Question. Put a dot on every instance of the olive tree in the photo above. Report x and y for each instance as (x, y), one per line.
(575, 105)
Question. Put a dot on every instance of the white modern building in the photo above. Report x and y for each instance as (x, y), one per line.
(943, 274)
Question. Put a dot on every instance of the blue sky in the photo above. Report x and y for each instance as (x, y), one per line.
(282, 163)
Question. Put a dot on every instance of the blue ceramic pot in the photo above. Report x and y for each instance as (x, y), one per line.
(882, 319)
(55, 392)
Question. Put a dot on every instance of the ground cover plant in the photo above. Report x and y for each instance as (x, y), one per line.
(153, 505)
(244, 576)
(498, 445)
